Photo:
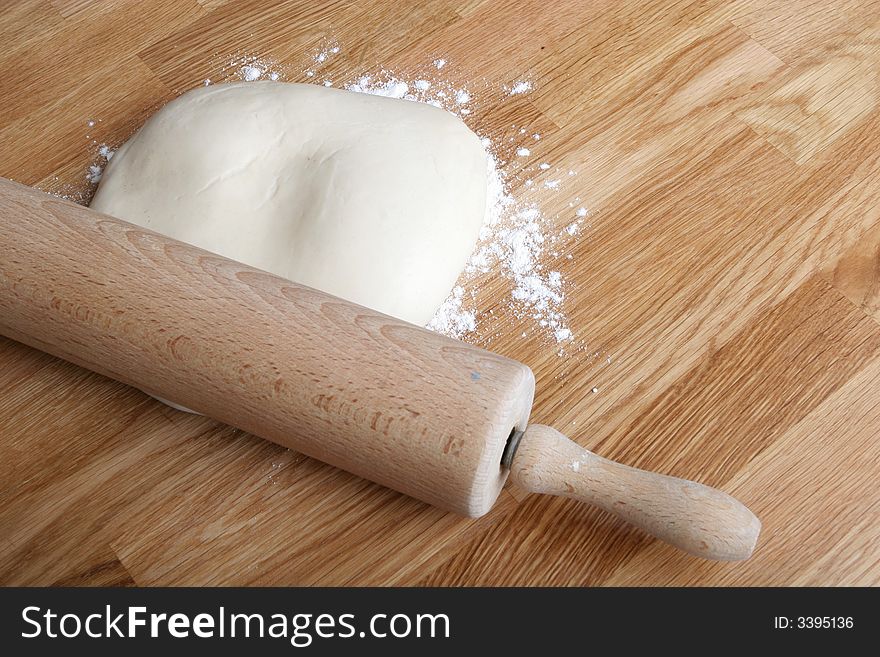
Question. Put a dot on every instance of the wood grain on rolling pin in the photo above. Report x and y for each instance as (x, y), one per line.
(392, 402)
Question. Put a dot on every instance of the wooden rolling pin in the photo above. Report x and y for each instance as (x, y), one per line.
(424, 414)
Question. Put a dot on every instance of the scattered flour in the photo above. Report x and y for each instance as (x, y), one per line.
(320, 58)
(97, 170)
(250, 68)
(450, 319)
(520, 88)
(390, 87)
(251, 73)
(512, 240)
(514, 236)
(94, 175)
(562, 334)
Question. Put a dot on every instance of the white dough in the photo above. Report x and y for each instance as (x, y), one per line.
(376, 200)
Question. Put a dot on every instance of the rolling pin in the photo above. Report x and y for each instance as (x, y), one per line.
(427, 415)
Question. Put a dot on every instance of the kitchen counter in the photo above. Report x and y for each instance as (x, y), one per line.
(723, 292)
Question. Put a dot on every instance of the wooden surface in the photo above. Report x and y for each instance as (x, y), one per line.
(729, 153)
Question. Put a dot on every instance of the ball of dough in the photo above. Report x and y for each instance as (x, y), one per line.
(376, 200)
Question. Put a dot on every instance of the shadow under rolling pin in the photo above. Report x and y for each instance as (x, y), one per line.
(432, 417)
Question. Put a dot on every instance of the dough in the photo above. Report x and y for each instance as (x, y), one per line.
(373, 199)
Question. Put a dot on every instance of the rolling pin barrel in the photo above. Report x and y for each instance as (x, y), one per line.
(429, 416)
(395, 403)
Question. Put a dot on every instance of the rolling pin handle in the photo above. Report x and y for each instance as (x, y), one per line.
(701, 520)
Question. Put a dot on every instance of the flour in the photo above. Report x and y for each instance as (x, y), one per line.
(451, 319)
(520, 88)
(250, 68)
(251, 73)
(389, 88)
(97, 170)
(515, 236)
(319, 58)
(512, 240)
(323, 55)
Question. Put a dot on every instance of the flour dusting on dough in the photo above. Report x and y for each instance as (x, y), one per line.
(516, 236)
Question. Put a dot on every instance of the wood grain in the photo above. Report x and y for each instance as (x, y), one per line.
(724, 294)
(857, 273)
(798, 515)
(812, 103)
(800, 29)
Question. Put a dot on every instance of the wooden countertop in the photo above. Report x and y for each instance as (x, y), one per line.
(729, 153)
